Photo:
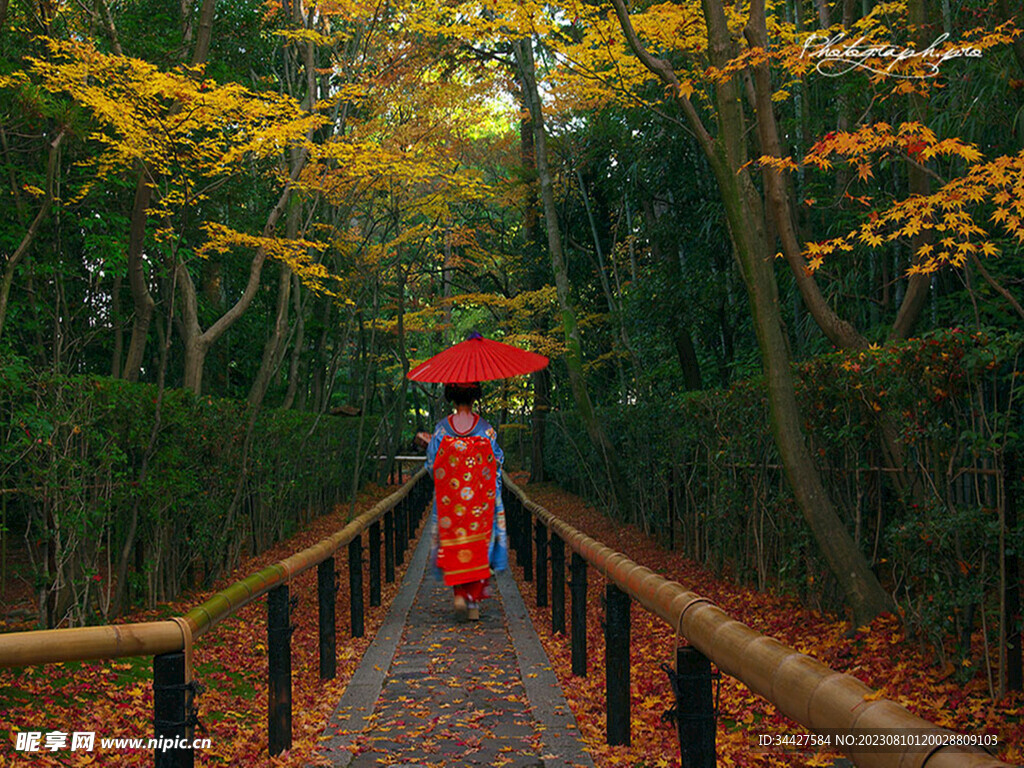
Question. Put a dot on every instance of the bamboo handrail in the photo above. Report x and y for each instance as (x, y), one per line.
(800, 686)
(149, 638)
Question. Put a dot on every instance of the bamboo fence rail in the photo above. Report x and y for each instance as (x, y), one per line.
(801, 687)
(171, 635)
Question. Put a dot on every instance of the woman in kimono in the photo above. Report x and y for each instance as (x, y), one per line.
(468, 517)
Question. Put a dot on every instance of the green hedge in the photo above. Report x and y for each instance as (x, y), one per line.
(74, 473)
(928, 517)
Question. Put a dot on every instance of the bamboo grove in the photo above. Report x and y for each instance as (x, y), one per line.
(286, 205)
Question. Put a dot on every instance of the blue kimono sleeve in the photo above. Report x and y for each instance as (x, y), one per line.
(498, 552)
(431, 529)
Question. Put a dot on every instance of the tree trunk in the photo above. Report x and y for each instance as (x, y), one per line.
(680, 333)
(52, 162)
(541, 406)
(574, 353)
(918, 285)
(297, 345)
(141, 298)
(131, 537)
(202, 49)
(115, 321)
(197, 341)
(403, 387)
(273, 349)
(137, 284)
(745, 214)
(692, 380)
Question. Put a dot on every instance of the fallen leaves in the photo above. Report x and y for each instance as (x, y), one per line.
(879, 655)
(115, 698)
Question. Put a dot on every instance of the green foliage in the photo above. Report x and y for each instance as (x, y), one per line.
(928, 517)
(81, 458)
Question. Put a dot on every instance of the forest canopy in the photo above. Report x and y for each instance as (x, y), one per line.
(291, 204)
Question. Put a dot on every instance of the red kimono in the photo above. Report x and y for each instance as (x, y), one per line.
(464, 488)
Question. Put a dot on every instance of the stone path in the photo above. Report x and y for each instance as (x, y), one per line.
(433, 692)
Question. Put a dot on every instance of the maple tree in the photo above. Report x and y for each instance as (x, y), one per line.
(712, 74)
(292, 204)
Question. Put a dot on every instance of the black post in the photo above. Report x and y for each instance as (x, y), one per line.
(522, 534)
(579, 615)
(401, 531)
(511, 521)
(172, 705)
(326, 590)
(516, 528)
(375, 563)
(527, 546)
(412, 518)
(426, 489)
(422, 491)
(616, 656)
(389, 546)
(541, 533)
(695, 709)
(409, 525)
(355, 584)
(1014, 630)
(557, 583)
(279, 657)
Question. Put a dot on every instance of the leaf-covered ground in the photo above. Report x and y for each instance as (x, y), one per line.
(878, 655)
(453, 695)
(115, 698)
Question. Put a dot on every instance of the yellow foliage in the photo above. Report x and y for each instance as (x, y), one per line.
(946, 211)
(170, 119)
(298, 254)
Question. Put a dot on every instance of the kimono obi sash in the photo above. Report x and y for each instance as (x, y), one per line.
(465, 483)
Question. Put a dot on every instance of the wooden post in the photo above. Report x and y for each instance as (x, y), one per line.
(579, 615)
(616, 655)
(279, 658)
(326, 590)
(557, 583)
(355, 584)
(389, 546)
(375, 564)
(541, 533)
(695, 709)
(172, 705)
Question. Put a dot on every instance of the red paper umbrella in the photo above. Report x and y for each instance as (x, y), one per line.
(477, 359)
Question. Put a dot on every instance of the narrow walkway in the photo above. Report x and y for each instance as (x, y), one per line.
(430, 691)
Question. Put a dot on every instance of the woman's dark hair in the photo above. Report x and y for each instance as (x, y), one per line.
(463, 394)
